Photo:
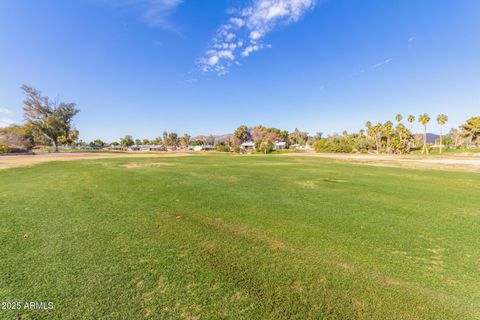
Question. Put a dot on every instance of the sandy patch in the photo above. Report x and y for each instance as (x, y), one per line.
(448, 163)
(30, 160)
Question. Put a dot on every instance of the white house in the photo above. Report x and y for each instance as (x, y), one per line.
(280, 145)
(203, 148)
(152, 148)
(249, 145)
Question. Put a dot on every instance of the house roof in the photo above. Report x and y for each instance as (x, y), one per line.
(248, 144)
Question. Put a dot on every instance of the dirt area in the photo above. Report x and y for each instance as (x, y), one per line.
(29, 160)
(448, 162)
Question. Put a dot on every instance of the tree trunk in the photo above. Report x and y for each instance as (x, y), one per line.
(55, 144)
(441, 140)
(425, 149)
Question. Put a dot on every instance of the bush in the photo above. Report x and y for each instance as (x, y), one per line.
(4, 148)
(333, 144)
(222, 147)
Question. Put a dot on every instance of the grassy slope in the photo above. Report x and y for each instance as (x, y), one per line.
(240, 237)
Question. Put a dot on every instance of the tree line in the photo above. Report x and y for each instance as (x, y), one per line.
(398, 138)
(49, 122)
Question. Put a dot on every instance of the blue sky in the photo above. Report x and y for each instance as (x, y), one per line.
(144, 66)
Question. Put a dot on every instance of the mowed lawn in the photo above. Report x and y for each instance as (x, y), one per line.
(239, 237)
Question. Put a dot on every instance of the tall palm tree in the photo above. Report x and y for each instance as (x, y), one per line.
(399, 118)
(424, 119)
(441, 119)
(377, 133)
(388, 133)
(411, 119)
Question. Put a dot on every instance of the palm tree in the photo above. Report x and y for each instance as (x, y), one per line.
(411, 119)
(185, 140)
(376, 133)
(399, 118)
(388, 133)
(441, 119)
(424, 119)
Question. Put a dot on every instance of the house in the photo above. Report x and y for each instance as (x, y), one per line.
(280, 145)
(114, 148)
(249, 145)
(157, 148)
(133, 148)
(203, 148)
(152, 148)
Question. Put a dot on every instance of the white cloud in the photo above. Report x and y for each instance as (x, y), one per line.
(154, 13)
(380, 64)
(255, 34)
(5, 122)
(246, 52)
(5, 111)
(249, 26)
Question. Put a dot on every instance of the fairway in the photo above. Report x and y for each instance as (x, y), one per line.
(239, 237)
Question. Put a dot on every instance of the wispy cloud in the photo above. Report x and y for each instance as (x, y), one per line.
(153, 13)
(5, 111)
(380, 64)
(411, 41)
(245, 30)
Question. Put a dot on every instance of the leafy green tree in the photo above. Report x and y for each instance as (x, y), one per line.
(471, 129)
(424, 119)
(298, 137)
(185, 140)
(146, 142)
(97, 143)
(198, 143)
(173, 139)
(242, 134)
(283, 135)
(138, 142)
(442, 120)
(157, 141)
(398, 118)
(51, 119)
(266, 146)
(222, 146)
(126, 141)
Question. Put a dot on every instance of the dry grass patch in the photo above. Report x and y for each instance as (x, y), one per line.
(137, 165)
(7, 162)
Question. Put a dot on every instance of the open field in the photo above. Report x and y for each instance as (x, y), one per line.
(239, 237)
(15, 161)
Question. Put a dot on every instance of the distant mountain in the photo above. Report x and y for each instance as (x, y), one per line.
(218, 138)
(431, 137)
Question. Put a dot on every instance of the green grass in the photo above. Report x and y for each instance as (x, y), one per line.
(448, 151)
(239, 237)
